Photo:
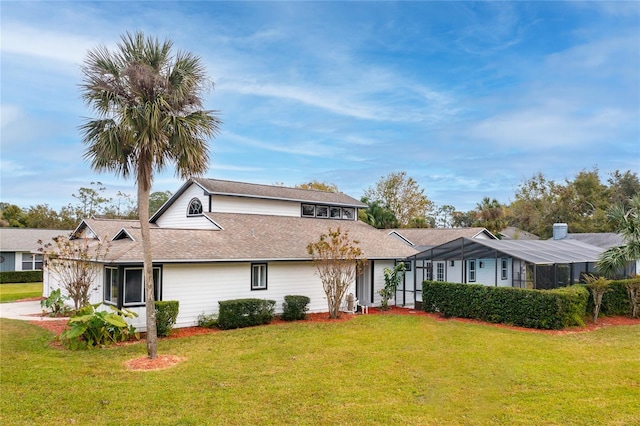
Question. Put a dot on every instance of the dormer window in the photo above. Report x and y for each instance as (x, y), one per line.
(322, 211)
(334, 212)
(308, 210)
(195, 207)
(348, 213)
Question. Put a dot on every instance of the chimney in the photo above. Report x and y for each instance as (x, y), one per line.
(560, 231)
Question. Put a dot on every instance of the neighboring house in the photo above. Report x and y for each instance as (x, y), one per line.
(218, 240)
(19, 247)
(604, 240)
(513, 233)
(422, 239)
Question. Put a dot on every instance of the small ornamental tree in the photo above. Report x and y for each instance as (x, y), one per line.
(633, 290)
(72, 262)
(338, 260)
(392, 278)
(598, 287)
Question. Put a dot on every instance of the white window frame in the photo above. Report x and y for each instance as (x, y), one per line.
(322, 212)
(440, 271)
(109, 285)
(504, 268)
(258, 276)
(472, 270)
(311, 208)
(335, 212)
(32, 261)
(348, 213)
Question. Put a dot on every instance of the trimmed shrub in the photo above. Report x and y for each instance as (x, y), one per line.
(547, 309)
(208, 321)
(166, 315)
(10, 277)
(240, 313)
(615, 301)
(295, 308)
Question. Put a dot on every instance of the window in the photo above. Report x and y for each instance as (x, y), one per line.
(429, 271)
(259, 276)
(348, 213)
(472, 271)
(134, 286)
(31, 262)
(308, 210)
(440, 271)
(503, 268)
(322, 211)
(195, 207)
(334, 212)
(111, 285)
(407, 265)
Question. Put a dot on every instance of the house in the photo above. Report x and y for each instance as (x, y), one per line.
(217, 240)
(422, 239)
(19, 247)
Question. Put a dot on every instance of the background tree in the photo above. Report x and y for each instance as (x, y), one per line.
(444, 216)
(72, 262)
(91, 202)
(402, 195)
(627, 223)
(490, 215)
(623, 187)
(149, 106)
(319, 186)
(13, 216)
(377, 215)
(157, 199)
(463, 219)
(338, 260)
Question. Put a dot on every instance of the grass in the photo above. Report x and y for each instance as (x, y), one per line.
(13, 292)
(377, 369)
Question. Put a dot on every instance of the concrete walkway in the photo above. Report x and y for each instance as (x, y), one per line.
(29, 311)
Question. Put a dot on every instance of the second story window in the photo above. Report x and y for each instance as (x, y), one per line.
(195, 207)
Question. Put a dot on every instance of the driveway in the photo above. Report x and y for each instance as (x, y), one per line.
(29, 311)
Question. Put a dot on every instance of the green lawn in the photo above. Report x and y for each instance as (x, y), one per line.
(12, 292)
(376, 369)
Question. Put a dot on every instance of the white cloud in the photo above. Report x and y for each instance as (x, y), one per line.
(21, 39)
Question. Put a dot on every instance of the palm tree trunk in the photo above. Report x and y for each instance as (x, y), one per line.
(143, 213)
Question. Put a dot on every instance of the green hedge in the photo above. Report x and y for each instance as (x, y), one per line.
(295, 308)
(615, 301)
(546, 309)
(20, 277)
(240, 313)
(166, 315)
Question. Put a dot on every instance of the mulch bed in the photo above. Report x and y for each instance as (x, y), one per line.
(166, 361)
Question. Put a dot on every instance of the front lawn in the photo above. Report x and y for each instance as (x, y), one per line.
(375, 369)
(13, 292)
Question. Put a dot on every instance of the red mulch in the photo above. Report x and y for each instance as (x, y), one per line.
(166, 361)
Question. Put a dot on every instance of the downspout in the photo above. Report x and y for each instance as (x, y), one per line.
(496, 267)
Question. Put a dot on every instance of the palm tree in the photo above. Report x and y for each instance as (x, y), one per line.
(149, 106)
(627, 222)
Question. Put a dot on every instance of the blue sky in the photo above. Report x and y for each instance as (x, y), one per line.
(470, 99)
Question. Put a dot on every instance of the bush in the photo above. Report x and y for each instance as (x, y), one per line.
(89, 327)
(295, 308)
(166, 315)
(240, 313)
(20, 277)
(547, 309)
(55, 304)
(615, 301)
(208, 321)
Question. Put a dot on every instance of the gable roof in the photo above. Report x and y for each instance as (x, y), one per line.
(539, 252)
(423, 238)
(26, 240)
(269, 192)
(247, 237)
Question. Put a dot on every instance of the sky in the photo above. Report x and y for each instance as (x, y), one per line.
(471, 99)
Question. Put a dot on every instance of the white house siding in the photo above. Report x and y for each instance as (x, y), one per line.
(453, 272)
(199, 288)
(176, 214)
(226, 204)
(378, 279)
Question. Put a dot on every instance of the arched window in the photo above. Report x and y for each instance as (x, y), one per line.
(195, 207)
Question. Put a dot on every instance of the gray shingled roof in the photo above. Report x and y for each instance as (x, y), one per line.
(245, 238)
(423, 238)
(26, 240)
(252, 190)
(599, 239)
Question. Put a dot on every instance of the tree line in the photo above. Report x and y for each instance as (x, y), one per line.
(397, 201)
(90, 201)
